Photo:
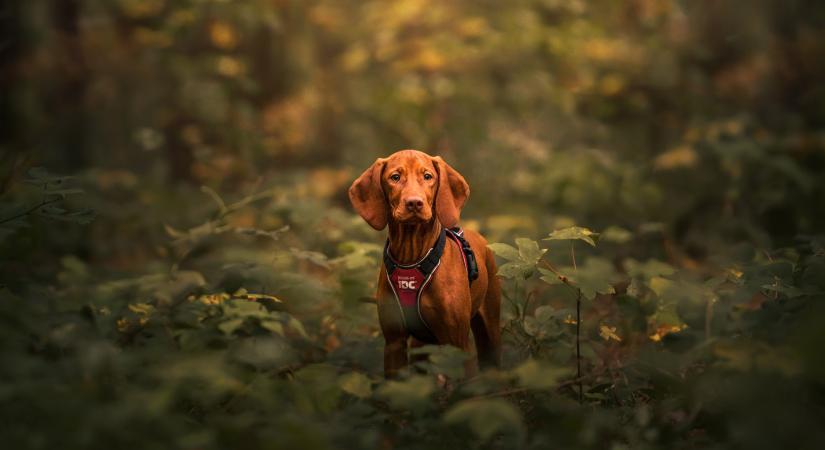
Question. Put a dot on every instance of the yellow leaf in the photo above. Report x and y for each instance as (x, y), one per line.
(664, 330)
(230, 67)
(355, 58)
(473, 27)
(611, 84)
(607, 333)
(682, 156)
(122, 324)
(659, 285)
(223, 35)
(139, 9)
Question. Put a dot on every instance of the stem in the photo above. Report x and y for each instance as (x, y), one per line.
(558, 275)
(578, 324)
(30, 210)
(567, 282)
(708, 317)
(573, 256)
(578, 345)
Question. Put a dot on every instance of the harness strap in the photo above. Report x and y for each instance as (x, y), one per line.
(427, 264)
(467, 253)
(409, 281)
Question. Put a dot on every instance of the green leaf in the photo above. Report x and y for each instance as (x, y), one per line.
(529, 250)
(593, 277)
(648, 269)
(355, 383)
(542, 324)
(545, 313)
(273, 326)
(531, 326)
(548, 276)
(444, 359)
(505, 251)
(536, 375)
(486, 417)
(573, 233)
(616, 234)
(298, 327)
(316, 258)
(263, 352)
(412, 393)
(316, 388)
(516, 269)
(39, 175)
(244, 308)
(229, 326)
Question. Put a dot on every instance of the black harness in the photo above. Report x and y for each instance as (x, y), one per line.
(408, 281)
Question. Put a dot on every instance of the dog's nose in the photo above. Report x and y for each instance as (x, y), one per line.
(414, 204)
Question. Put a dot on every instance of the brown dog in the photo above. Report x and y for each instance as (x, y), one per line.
(416, 195)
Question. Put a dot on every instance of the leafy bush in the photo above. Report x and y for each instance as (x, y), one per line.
(199, 281)
(191, 357)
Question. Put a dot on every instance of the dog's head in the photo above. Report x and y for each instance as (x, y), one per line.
(409, 187)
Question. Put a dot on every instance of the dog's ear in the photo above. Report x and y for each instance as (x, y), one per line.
(453, 191)
(367, 196)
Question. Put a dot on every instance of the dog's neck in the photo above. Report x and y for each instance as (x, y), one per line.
(410, 242)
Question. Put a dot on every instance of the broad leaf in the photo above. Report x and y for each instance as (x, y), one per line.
(573, 233)
(410, 394)
(355, 383)
(529, 250)
(505, 251)
(616, 234)
(486, 417)
(516, 269)
(593, 277)
(537, 375)
(648, 269)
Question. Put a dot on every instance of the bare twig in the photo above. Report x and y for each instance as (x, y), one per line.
(578, 325)
(558, 274)
(30, 210)
(578, 345)
(567, 282)
(573, 255)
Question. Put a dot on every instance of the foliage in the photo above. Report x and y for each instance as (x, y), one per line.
(180, 267)
(185, 359)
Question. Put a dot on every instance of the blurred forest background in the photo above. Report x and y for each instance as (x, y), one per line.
(180, 266)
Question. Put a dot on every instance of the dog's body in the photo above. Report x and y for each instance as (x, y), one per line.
(415, 195)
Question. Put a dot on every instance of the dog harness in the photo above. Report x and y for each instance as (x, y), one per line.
(409, 281)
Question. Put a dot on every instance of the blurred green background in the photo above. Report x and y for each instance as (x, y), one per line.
(180, 266)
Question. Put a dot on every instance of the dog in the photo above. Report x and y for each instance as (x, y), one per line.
(417, 197)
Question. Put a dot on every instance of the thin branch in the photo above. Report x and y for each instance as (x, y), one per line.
(567, 282)
(578, 345)
(573, 255)
(31, 210)
(558, 274)
(578, 325)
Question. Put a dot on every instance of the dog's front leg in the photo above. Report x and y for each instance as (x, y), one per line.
(395, 355)
(392, 327)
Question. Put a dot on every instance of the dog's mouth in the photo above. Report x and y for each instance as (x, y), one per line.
(406, 217)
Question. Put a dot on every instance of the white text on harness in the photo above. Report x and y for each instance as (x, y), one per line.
(406, 283)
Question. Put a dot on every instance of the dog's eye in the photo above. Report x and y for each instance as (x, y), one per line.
(428, 176)
(395, 177)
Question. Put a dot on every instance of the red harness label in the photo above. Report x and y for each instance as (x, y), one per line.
(407, 284)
